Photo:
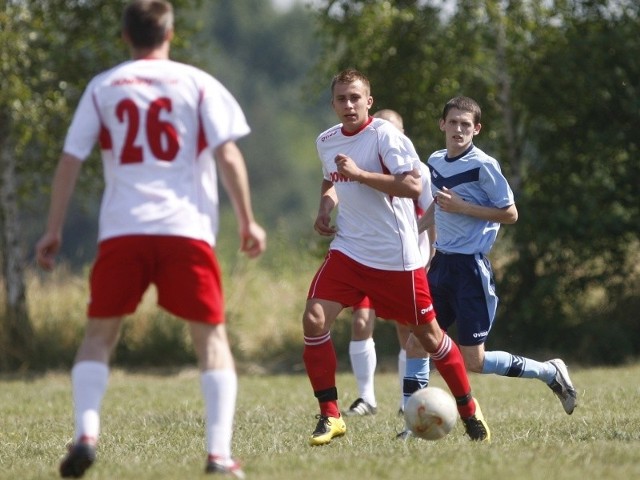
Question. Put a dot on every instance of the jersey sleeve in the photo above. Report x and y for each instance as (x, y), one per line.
(85, 126)
(426, 197)
(325, 173)
(396, 150)
(222, 118)
(496, 185)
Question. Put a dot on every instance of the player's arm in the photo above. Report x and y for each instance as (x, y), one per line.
(427, 220)
(63, 185)
(451, 202)
(407, 184)
(431, 235)
(328, 202)
(234, 177)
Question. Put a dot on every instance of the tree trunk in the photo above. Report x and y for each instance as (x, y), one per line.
(16, 338)
(504, 95)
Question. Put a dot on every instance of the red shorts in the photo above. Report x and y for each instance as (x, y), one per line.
(402, 296)
(185, 272)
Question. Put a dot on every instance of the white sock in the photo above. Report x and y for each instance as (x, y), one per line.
(363, 362)
(219, 389)
(89, 384)
(402, 368)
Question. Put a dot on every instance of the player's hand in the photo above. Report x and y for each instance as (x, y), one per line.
(323, 225)
(347, 167)
(46, 250)
(449, 201)
(253, 240)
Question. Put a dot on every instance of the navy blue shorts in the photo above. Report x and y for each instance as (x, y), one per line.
(463, 292)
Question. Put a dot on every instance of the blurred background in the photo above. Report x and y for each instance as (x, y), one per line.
(559, 84)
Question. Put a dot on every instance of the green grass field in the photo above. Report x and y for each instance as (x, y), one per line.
(152, 428)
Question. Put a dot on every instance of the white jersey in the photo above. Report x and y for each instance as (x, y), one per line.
(157, 122)
(373, 228)
(424, 201)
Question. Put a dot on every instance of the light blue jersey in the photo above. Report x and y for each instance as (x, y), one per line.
(477, 178)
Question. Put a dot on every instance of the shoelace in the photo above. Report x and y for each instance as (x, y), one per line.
(323, 425)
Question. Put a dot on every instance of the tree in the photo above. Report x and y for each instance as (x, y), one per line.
(50, 49)
(576, 276)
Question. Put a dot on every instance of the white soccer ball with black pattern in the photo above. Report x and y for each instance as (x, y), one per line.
(430, 413)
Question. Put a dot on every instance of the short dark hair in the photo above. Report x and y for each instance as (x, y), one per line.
(147, 22)
(464, 104)
(350, 75)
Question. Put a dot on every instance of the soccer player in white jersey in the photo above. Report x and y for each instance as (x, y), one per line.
(160, 125)
(413, 375)
(374, 254)
(473, 199)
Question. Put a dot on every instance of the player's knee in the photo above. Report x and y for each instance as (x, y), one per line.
(312, 326)
(314, 322)
(428, 339)
(362, 327)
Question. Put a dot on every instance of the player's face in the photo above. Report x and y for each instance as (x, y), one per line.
(351, 102)
(459, 131)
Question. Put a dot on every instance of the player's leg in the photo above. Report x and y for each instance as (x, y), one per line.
(219, 385)
(444, 284)
(553, 373)
(189, 285)
(117, 284)
(89, 378)
(335, 284)
(320, 361)
(505, 364)
(478, 303)
(447, 358)
(402, 367)
(403, 332)
(416, 376)
(362, 353)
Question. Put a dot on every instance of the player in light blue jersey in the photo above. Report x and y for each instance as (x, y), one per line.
(472, 200)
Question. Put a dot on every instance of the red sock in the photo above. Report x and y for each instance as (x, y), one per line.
(321, 363)
(448, 360)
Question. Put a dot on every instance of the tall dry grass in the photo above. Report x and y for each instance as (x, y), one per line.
(264, 301)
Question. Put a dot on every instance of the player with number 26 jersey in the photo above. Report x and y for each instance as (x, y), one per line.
(166, 130)
(157, 122)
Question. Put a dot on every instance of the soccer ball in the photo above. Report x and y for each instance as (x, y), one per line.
(430, 413)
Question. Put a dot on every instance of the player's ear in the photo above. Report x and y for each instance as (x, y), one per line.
(476, 128)
(169, 36)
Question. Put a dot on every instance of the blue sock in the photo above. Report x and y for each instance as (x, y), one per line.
(416, 376)
(508, 365)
